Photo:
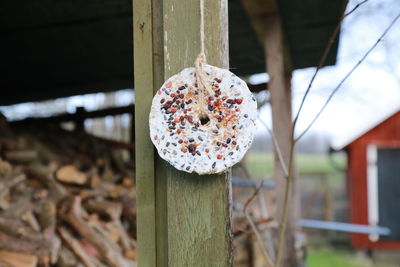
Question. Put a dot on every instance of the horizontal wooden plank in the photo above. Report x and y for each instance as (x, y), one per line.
(65, 117)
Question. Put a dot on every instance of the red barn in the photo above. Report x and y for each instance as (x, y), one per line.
(374, 183)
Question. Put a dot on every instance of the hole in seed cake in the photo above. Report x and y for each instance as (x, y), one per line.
(204, 120)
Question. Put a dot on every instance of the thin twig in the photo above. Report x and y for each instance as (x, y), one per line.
(354, 8)
(260, 240)
(284, 217)
(255, 193)
(324, 55)
(276, 145)
(246, 173)
(254, 228)
(322, 60)
(347, 76)
(289, 180)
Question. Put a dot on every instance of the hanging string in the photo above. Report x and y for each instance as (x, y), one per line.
(202, 28)
(201, 76)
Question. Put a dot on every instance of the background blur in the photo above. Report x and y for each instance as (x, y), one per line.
(370, 95)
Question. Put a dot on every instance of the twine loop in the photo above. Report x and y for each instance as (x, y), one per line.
(201, 76)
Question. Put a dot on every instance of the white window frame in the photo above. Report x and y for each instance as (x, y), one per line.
(372, 188)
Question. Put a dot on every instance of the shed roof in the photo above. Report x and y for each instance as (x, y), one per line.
(356, 133)
(53, 49)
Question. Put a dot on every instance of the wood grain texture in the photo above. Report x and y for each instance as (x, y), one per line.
(183, 219)
(18, 259)
(145, 158)
(198, 206)
(280, 89)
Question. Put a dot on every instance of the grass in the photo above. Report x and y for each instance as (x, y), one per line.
(261, 164)
(332, 258)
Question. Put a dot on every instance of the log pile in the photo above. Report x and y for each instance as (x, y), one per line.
(67, 199)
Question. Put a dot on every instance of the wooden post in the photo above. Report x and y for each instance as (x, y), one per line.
(279, 86)
(183, 219)
(148, 73)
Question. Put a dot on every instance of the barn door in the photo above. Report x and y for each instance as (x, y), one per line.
(383, 179)
(388, 168)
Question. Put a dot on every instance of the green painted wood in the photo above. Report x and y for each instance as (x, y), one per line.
(148, 70)
(183, 219)
(198, 206)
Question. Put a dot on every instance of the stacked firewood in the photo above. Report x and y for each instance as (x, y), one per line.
(67, 199)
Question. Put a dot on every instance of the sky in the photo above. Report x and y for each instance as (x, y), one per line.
(370, 94)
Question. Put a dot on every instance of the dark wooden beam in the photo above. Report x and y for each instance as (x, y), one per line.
(82, 114)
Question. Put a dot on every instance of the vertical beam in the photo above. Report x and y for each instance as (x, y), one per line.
(79, 120)
(149, 75)
(198, 206)
(183, 219)
(280, 89)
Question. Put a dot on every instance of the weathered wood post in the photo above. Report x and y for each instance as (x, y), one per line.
(182, 219)
(281, 107)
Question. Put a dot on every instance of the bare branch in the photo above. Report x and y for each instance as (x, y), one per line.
(322, 61)
(259, 239)
(285, 213)
(354, 8)
(347, 76)
(324, 55)
(254, 228)
(255, 193)
(289, 180)
(276, 145)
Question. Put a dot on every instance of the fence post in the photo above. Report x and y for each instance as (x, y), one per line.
(182, 219)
